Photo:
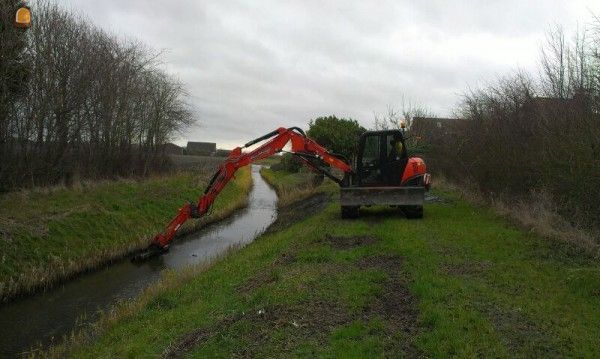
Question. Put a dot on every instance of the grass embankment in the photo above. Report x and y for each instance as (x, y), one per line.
(291, 187)
(461, 282)
(537, 214)
(269, 161)
(51, 234)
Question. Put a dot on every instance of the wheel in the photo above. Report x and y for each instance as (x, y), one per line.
(350, 211)
(413, 212)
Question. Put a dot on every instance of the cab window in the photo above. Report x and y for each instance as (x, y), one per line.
(371, 151)
(395, 148)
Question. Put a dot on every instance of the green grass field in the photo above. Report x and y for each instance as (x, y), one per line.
(49, 234)
(461, 282)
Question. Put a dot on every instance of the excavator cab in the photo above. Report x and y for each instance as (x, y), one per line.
(385, 175)
(381, 159)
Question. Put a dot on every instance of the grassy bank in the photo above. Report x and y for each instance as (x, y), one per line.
(537, 214)
(461, 282)
(291, 187)
(51, 234)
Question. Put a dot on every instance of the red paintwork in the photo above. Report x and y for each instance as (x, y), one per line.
(237, 159)
(414, 167)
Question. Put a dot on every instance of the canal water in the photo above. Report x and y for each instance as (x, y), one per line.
(45, 318)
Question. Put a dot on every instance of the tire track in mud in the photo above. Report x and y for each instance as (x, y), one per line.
(315, 321)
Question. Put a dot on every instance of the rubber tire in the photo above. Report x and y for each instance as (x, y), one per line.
(413, 212)
(350, 212)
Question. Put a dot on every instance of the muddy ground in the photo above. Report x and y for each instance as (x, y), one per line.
(299, 210)
(314, 321)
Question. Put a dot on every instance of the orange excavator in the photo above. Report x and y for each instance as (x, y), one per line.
(384, 175)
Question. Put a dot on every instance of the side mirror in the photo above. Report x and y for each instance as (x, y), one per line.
(23, 18)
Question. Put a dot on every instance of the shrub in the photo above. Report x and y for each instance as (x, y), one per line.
(522, 136)
(338, 135)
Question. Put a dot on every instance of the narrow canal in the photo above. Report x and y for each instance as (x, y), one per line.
(45, 318)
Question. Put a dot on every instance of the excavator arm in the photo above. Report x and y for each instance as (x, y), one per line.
(302, 146)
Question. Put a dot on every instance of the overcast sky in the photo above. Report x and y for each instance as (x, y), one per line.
(252, 66)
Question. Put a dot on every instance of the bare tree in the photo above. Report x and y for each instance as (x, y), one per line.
(405, 114)
(524, 135)
(92, 106)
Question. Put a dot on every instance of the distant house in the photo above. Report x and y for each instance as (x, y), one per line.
(173, 149)
(201, 148)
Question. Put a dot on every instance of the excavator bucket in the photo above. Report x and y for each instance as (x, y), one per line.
(151, 251)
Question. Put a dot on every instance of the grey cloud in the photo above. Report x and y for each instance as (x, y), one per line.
(256, 65)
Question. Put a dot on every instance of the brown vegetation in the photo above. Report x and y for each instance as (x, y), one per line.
(525, 138)
(534, 213)
(82, 104)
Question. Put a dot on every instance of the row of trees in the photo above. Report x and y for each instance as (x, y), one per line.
(76, 102)
(542, 133)
(519, 136)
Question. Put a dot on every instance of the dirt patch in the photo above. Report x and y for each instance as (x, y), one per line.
(342, 242)
(467, 269)
(313, 320)
(520, 335)
(267, 275)
(389, 264)
(303, 321)
(310, 321)
(261, 279)
(194, 339)
(441, 249)
(285, 258)
(298, 211)
(395, 305)
(191, 340)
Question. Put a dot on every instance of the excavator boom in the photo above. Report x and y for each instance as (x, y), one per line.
(301, 145)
